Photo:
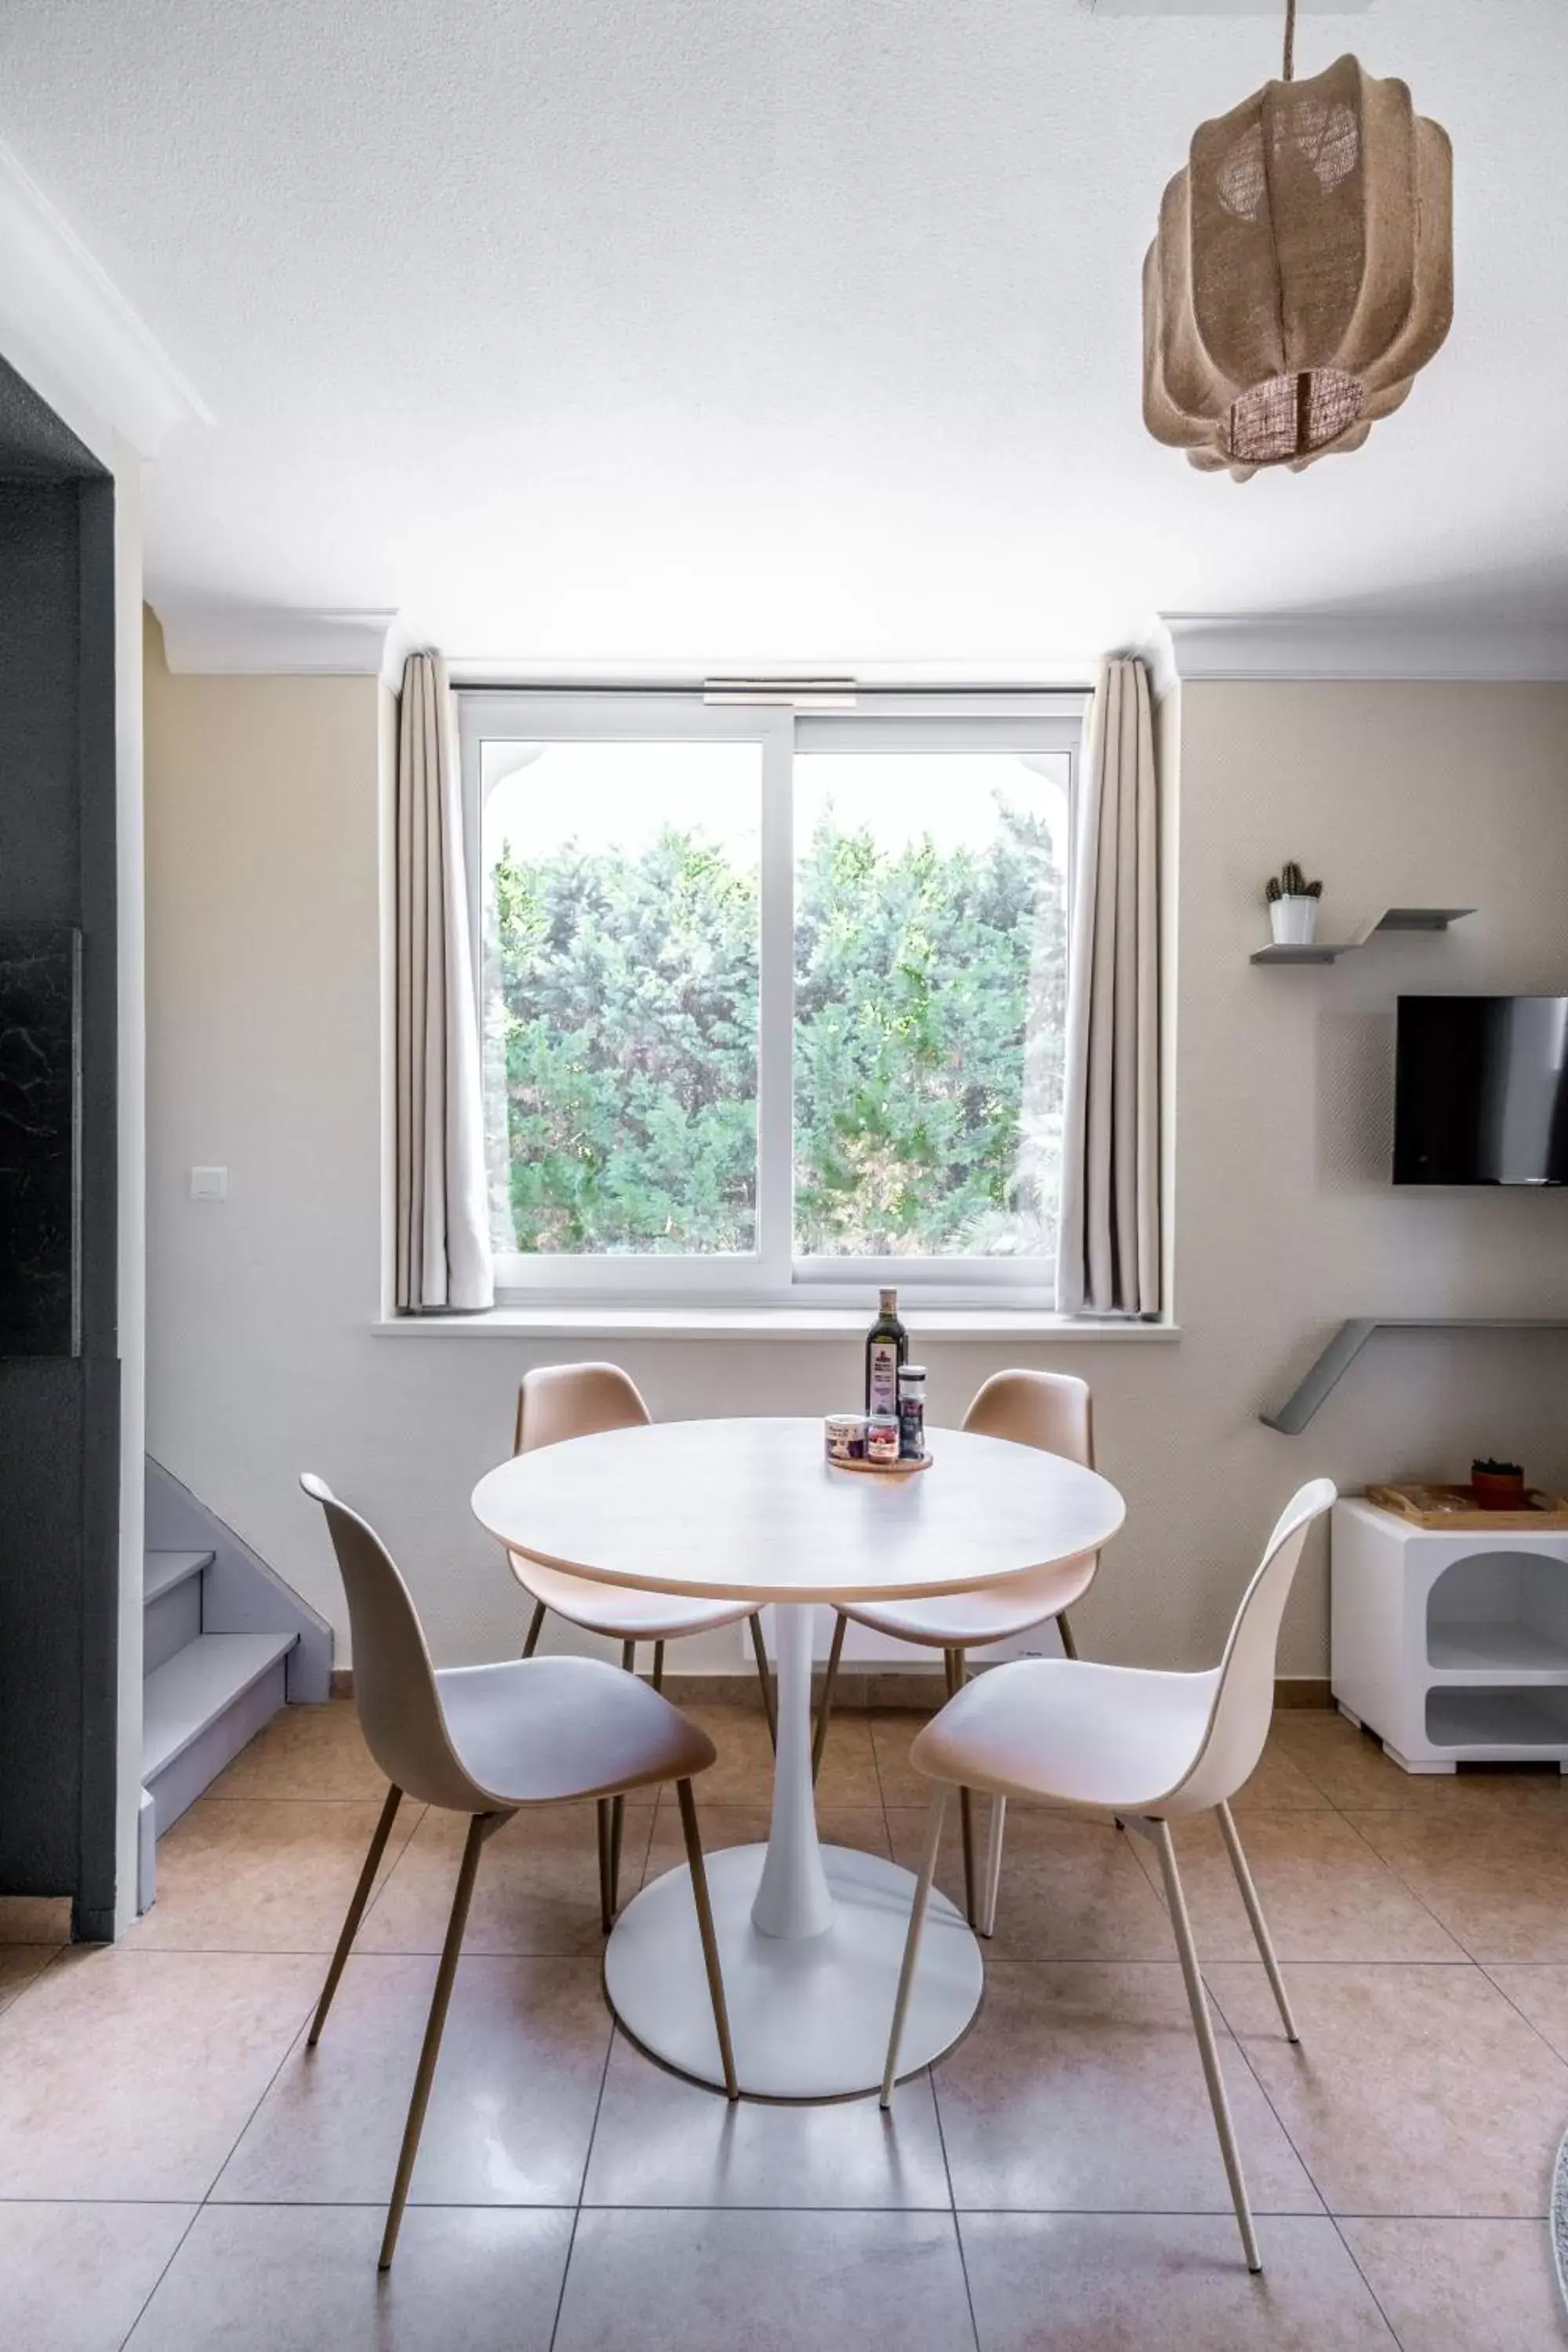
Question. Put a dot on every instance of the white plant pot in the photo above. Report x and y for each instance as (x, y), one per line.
(1294, 921)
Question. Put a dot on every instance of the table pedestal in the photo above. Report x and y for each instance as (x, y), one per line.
(810, 1940)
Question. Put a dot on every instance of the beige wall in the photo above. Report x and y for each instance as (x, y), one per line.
(264, 949)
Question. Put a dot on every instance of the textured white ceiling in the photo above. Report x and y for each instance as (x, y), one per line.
(752, 330)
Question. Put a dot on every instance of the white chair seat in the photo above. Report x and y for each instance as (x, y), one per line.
(964, 1620)
(532, 1731)
(620, 1614)
(1114, 1738)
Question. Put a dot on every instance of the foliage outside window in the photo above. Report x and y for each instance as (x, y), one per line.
(633, 1075)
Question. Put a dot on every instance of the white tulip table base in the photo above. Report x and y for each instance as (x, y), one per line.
(809, 2015)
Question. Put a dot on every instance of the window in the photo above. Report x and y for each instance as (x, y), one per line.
(771, 1004)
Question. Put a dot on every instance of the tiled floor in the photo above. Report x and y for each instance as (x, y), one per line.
(177, 2174)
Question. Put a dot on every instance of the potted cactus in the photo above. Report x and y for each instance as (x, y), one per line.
(1499, 1487)
(1293, 907)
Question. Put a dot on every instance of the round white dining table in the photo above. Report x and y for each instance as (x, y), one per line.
(810, 1937)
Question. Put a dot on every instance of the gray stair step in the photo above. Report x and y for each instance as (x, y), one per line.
(163, 1570)
(202, 1707)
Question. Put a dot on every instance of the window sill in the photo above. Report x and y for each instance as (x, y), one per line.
(764, 1323)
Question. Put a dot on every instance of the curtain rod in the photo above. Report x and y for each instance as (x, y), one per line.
(471, 679)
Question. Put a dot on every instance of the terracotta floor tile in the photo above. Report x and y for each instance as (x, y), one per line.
(306, 1751)
(781, 2281)
(75, 2276)
(661, 2140)
(1325, 1894)
(892, 1735)
(20, 1965)
(127, 2075)
(744, 1771)
(1456, 2287)
(1128, 2282)
(237, 1877)
(1539, 1990)
(1079, 2088)
(510, 2112)
(861, 1826)
(537, 1892)
(1415, 2089)
(1279, 1785)
(299, 2278)
(1071, 1888)
(1499, 1887)
(1350, 1769)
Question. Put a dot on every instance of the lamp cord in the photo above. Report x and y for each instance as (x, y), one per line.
(1289, 74)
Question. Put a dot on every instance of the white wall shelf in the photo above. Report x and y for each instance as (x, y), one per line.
(1451, 1647)
(1392, 918)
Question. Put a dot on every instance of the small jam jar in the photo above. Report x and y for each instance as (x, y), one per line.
(882, 1438)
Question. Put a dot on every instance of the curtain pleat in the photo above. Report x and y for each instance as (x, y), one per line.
(1108, 1252)
(443, 1248)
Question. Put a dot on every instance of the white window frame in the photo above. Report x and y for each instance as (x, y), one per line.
(771, 1276)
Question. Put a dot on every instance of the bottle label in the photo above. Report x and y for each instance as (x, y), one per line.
(884, 1397)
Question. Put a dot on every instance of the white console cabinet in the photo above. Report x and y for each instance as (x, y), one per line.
(1453, 1648)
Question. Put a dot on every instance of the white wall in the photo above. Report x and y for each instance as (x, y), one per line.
(130, 1128)
(264, 961)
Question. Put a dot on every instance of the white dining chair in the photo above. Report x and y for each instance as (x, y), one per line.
(1055, 1412)
(1147, 1748)
(556, 1402)
(491, 1741)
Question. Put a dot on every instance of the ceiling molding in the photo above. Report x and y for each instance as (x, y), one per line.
(1211, 648)
(1222, 7)
(69, 332)
(229, 640)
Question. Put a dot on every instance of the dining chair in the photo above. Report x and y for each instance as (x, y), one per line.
(489, 1741)
(1147, 1748)
(1052, 1411)
(555, 1402)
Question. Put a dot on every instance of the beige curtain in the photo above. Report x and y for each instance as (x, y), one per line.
(443, 1236)
(1108, 1253)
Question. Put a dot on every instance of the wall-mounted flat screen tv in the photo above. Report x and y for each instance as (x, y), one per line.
(1481, 1091)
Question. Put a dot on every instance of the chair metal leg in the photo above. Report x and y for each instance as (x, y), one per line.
(618, 1804)
(957, 1674)
(993, 1865)
(607, 1894)
(478, 1830)
(824, 1705)
(760, 1652)
(1202, 2026)
(912, 1940)
(536, 1627)
(659, 1665)
(1069, 1647)
(1259, 1924)
(359, 1897)
(705, 1929)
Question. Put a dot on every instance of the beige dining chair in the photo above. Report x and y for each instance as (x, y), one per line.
(1053, 1411)
(560, 1401)
(489, 1741)
(1147, 1748)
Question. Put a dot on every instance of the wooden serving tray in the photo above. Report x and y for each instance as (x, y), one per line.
(885, 1469)
(1455, 1507)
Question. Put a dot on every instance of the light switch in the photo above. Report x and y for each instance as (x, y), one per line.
(209, 1183)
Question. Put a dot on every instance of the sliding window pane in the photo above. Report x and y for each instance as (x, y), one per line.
(931, 988)
(620, 961)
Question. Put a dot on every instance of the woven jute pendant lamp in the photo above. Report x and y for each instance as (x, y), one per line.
(1302, 274)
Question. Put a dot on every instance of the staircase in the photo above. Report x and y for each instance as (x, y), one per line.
(225, 1643)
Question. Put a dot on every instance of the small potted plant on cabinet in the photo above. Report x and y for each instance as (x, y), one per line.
(1499, 1487)
(1293, 907)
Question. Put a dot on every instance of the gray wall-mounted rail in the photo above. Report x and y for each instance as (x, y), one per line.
(1348, 1342)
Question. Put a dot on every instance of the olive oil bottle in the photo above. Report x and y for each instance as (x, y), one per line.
(887, 1348)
